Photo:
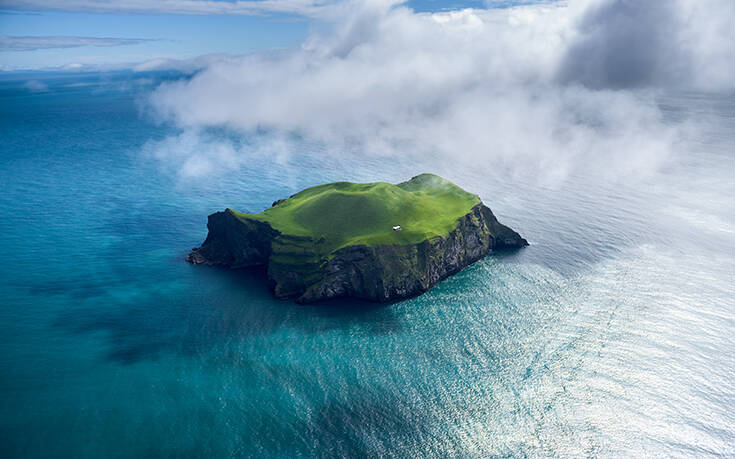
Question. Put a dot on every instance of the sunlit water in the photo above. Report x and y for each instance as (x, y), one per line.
(612, 334)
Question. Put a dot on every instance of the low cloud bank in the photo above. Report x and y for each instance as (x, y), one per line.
(547, 89)
(13, 43)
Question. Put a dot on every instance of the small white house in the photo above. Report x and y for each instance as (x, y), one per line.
(397, 228)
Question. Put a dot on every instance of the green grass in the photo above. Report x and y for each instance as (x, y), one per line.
(342, 214)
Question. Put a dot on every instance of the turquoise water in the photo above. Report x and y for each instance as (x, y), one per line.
(613, 334)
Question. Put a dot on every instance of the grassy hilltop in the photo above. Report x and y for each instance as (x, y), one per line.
(343, 214)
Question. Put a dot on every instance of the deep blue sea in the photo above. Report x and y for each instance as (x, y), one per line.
(613, 334)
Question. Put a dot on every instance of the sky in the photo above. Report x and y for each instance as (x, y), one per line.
(48, 34)
(140, 37)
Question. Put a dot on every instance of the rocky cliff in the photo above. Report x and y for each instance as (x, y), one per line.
(297, 268)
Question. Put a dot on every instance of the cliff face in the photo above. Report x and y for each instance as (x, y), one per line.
(376, 273)
(234, 243)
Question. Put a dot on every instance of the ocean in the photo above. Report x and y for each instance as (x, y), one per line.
(612, 335)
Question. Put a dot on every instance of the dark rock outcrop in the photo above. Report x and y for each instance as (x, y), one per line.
(234, 243)
(376, 273)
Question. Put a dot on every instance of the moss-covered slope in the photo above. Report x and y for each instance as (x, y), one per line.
(337, 239)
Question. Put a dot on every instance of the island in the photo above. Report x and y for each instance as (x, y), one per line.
(372, 241)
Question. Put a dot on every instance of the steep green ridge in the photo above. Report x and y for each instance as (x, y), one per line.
(342, 214)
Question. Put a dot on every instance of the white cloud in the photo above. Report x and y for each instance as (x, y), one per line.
(623, 43)
(255, 7)
(547, 89)
(11, 43)
(184, 65)
(194, 155)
